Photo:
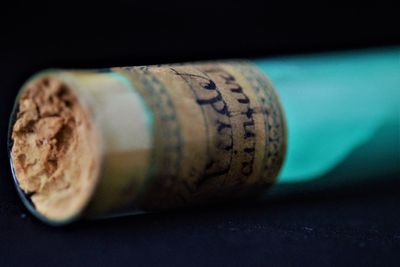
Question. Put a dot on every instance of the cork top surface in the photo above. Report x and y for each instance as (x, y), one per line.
(53, 145)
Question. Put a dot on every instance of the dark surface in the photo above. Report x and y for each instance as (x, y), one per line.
(355, 225)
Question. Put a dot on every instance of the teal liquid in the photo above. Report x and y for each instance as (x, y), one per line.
(343, 114)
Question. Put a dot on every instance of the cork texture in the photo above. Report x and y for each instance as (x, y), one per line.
(55, 149)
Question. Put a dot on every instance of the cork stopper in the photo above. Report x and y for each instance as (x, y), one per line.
(123, 140)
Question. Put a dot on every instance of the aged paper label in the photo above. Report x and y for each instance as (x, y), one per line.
(219, 132)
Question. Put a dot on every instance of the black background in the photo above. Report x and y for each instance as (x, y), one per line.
(354, 225)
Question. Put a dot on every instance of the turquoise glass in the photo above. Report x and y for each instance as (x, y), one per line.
(342, 113)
